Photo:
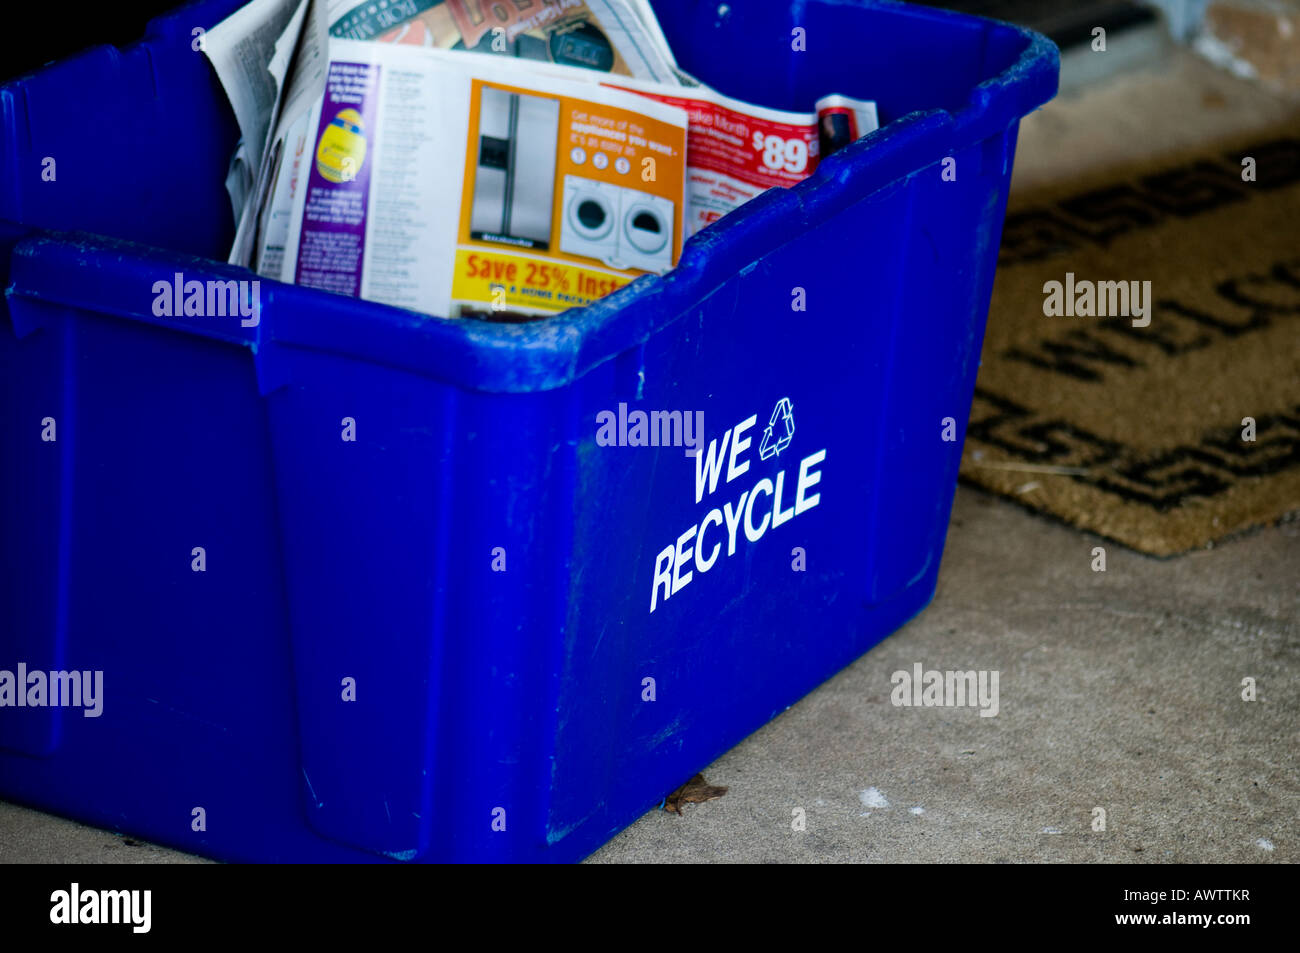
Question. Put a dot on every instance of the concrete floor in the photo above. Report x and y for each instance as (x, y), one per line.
(1119, 690)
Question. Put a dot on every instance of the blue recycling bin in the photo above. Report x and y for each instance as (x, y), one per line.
(348, 583)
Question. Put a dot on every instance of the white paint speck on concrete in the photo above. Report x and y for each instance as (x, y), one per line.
(1264, 844)
(918, 810)
(872, 797)
(1051, 830)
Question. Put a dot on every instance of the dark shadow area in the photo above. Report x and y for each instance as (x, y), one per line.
(77, 25)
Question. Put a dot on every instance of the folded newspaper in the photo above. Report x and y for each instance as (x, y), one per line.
(457, 157)
(452, 183)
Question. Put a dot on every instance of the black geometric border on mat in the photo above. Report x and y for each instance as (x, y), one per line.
(1095, 218)
(1160, 480)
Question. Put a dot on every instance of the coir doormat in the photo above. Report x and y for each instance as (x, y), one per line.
(1157, 401)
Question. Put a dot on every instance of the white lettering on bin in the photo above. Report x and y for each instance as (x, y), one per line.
(762, 508)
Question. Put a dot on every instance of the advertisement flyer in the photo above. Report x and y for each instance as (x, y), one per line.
(457, 184)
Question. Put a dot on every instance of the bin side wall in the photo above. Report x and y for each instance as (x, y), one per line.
(150, 559)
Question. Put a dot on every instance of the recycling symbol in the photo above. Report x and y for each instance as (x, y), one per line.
(782, 422)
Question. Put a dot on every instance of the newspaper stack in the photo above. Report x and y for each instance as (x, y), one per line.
(496, 160)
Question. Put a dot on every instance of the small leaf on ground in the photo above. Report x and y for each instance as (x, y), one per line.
(692, 792)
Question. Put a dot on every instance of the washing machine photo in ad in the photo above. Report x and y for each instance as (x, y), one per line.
(621, 227)
(514, 179)
(591, 217)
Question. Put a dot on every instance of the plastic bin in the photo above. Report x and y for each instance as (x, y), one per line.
(498, 715)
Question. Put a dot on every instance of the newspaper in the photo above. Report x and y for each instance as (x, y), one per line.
(606, 36)
(250, 52)
(650, 23)
(267, 214)
(461, 183)
(610, 36)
